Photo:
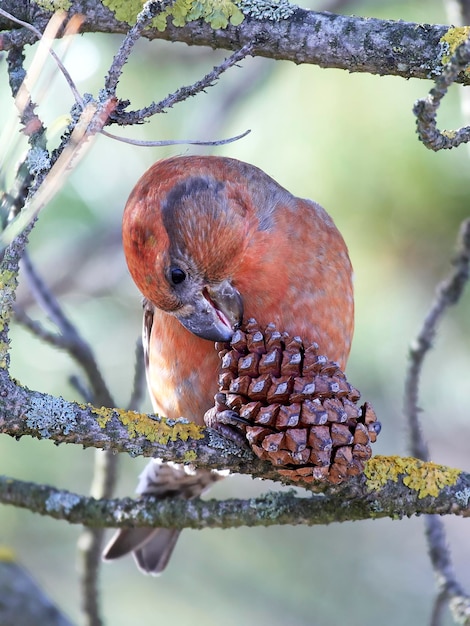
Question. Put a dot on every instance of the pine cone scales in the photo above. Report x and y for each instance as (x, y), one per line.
(294, 406)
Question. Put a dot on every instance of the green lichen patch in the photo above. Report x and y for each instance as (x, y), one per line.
(189, 456)
(125, 10)
(54, 5)
(426, 478)
(217, 13)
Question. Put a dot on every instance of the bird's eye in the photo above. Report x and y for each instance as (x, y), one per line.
(177, 275)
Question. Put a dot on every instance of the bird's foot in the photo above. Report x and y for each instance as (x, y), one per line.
(227, 422)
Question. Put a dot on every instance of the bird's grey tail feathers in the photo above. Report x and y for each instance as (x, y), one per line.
(152, 547)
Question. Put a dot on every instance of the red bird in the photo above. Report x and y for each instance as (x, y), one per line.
(210, 241)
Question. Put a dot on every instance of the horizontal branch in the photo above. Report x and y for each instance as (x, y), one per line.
(389, 486)
(356, 44)
(40, 415)
(392, 499)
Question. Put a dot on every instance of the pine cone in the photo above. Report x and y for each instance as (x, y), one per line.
(294, 406)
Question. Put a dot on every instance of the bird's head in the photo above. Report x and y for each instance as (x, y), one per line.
(183, 237)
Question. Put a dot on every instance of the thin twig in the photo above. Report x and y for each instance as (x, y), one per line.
(458, 13)
(90, 122)
(183, 93)
(243, 85)
(150, 10)
(36, 328)
(448, 293)
(449, 589)
(79, 385)
(425, 109)
(438, 608)
(39, 35)
(69, 338)
(174, 142)
(12, 202)
(104, 481)
(90, 543)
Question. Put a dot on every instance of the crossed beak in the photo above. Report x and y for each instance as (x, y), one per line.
(217, 312)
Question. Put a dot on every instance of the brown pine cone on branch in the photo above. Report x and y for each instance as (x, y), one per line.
(294, 407)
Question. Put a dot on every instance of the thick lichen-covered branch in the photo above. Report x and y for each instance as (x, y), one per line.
(406, 481)
(391, 487)
(357, 44)
(24, 412)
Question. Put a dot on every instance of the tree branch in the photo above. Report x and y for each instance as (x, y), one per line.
(425, 109)
(392, 486)
(105, 466)
(68, 338)
(356, 44)
(40, 415)
(364, 497)
(150, 9)
(183, 93)
(448, 293)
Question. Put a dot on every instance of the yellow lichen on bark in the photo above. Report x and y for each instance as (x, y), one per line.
(158, 430)
(424, 477)
(452, 40)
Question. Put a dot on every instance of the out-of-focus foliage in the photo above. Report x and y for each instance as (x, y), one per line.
(349, 142)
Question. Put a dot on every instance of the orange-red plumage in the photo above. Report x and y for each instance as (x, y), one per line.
(208, 239)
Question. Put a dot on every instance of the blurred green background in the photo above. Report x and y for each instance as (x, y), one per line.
(349, 142)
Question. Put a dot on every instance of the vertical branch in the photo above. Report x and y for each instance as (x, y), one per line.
(90, 542)
(105, 466)
(150, 10)
(104, 481)
(9, 267)
(12, 202)
(448, 293)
